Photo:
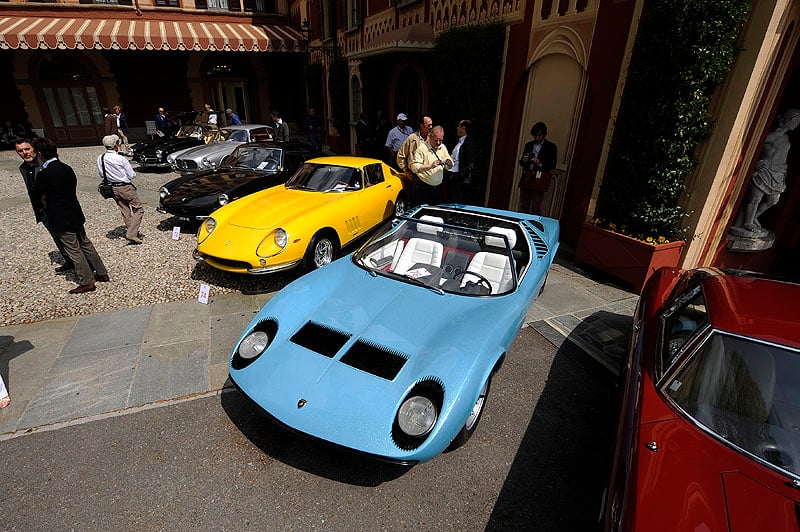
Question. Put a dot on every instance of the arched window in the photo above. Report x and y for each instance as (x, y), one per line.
(355, 101)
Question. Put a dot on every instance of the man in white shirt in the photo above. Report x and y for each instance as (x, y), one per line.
(429, 163)
(396, 137)
(117, 170)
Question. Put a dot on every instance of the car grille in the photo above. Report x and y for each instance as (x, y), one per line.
(320, 339)
(374, 359)
(231, 263)
(184, 164)
(147, 159)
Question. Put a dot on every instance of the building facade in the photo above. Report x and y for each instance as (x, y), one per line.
(564, 63)
(63, 62)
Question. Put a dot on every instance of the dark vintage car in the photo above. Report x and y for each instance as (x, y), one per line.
(709, 431)
(153, 154)
(250, 168)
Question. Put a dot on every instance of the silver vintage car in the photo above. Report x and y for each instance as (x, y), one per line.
(209, 156)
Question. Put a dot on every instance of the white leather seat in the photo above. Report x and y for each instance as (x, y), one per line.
(495, 267)
(420, 250)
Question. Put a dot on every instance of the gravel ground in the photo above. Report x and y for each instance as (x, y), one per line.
(158, 271)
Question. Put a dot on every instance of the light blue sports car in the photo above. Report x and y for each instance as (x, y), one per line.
(390, 351)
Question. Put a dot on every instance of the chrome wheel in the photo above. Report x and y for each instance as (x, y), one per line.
(400, 206)
(477, 408)
(323, 252)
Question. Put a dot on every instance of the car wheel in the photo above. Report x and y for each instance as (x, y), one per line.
(322, 251)
(544, 283)
(471, 424)
(400, 205)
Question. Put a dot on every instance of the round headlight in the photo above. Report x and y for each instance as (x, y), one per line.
(159, 153)
(210, 224)
(163, 192)
(223, 199)
(253, 345)
(281, 238)
(206, 162)
(416, 416)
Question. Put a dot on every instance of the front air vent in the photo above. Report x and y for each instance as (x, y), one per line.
(320, 339)
(374, 359)
(539, 245)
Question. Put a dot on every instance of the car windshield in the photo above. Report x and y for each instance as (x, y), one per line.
(442, 257)
(325, 178)
(233, 135)
(256, 158)
(746, 392)
(190, 130)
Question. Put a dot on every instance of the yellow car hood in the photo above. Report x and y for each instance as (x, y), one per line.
(271, 208)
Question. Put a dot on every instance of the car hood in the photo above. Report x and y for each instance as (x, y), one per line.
(351, 396)
(271, 208)
(207, 183)
(172, 144)
(207, 150)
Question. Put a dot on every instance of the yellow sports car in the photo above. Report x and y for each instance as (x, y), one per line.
(326, 204)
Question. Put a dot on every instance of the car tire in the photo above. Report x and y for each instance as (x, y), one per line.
(474, 417)
(400, 205)
(322, 250)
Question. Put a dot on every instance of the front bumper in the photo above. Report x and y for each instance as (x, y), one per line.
(278, 422)
(236, 266)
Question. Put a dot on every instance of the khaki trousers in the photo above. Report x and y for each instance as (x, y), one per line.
(81, 250)
(131, 208)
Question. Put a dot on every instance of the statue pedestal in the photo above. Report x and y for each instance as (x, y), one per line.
(745, 241)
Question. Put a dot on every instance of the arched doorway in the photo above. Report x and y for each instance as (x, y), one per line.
(70, 88)
(408, 96)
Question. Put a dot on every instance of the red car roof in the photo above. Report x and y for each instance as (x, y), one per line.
(751, 306)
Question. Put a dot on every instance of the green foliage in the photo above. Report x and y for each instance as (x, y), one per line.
(465, 83)
(314, 84)
(664, 114)
(338, 90)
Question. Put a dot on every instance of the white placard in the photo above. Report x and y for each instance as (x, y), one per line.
(202, 297)
(176, 233)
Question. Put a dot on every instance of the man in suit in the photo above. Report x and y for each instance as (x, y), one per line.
(538, 159)
(30, 167)
(163, 123)
(280, 127)
(56, 186)
(462, 183)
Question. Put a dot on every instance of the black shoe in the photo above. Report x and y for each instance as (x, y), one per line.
(65, 268)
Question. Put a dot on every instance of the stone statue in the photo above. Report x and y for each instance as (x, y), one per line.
(769, 178)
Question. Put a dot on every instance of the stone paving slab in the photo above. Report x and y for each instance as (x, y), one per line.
(76, 367)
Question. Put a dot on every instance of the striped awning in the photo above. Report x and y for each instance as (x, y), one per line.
(30, 33)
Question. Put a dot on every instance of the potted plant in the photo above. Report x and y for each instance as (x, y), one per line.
(664, 115)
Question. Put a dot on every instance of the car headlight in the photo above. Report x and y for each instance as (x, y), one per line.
(163, 192)
(223, 199)
(281, 238)
(253, 345)
(159, 153)
(205, 162)
(210, 224)
(416, 416)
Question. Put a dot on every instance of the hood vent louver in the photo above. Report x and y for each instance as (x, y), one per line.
(320, 339)
(540, 246)
(374, 359)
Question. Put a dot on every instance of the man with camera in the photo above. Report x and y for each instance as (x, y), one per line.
(428, 164)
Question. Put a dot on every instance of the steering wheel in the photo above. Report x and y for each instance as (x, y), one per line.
(482, 281)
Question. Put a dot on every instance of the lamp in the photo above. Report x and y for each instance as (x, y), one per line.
(330, 50)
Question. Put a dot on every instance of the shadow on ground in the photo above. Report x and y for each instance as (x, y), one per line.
(559, 472)
(303, 453)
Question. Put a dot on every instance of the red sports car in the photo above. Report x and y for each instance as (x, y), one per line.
(709, 432)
